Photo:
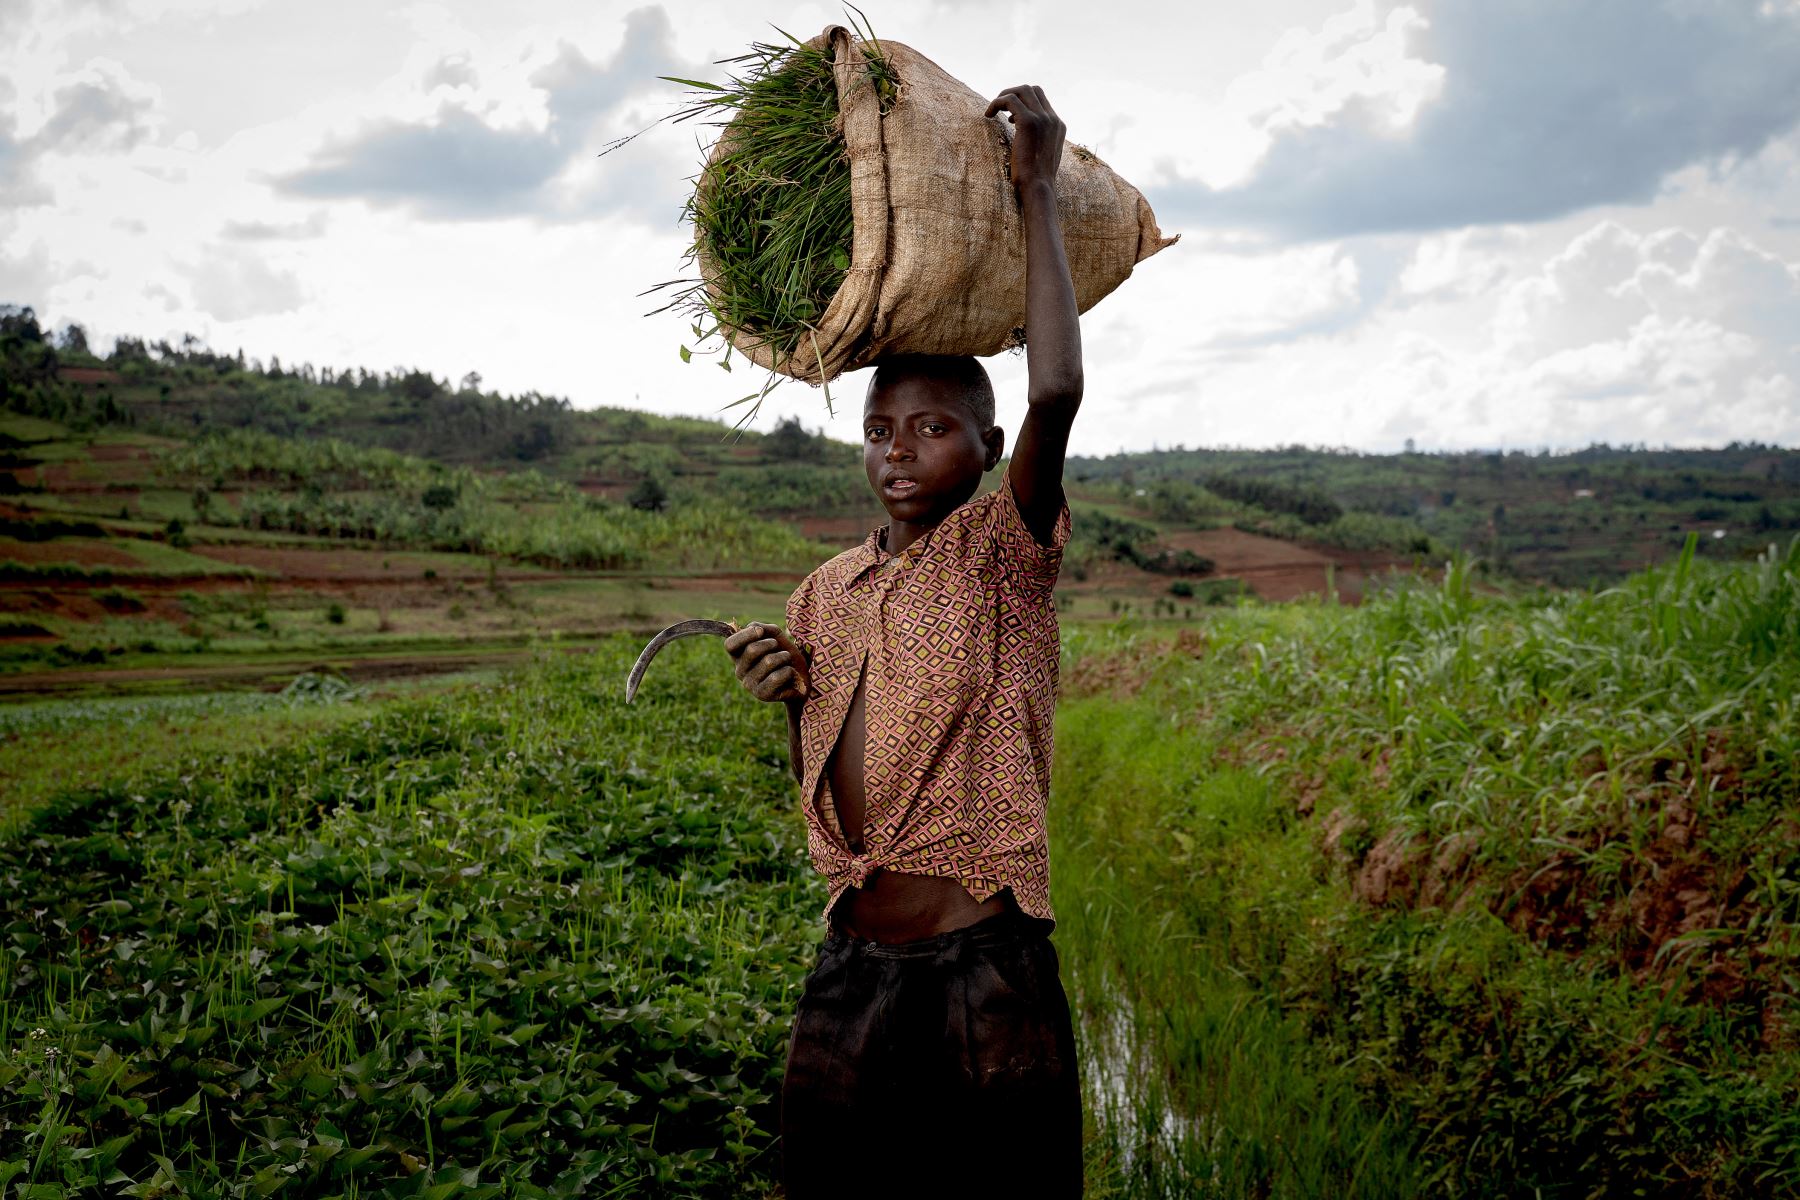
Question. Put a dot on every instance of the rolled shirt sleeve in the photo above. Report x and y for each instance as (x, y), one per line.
(1021, 557)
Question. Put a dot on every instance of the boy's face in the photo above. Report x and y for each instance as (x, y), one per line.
(922, 449)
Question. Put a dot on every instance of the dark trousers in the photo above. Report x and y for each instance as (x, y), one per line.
(934, 1068)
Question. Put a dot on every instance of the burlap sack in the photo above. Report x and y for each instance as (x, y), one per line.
(937, 265)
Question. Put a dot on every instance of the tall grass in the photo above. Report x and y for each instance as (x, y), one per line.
(771, 211)
(1458, 893)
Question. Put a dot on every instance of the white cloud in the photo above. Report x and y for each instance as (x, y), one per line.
(1466, 262)
(1522, 111)
(26, 275)
(1358, 62)
(233, 285)
(1500, 307)
(519, 143)
(1659, 336)
(100, 108)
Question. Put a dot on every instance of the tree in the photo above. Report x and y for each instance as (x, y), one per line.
(790, 442)
(74, 339)
(20, 323)
(534, 442)
(418, 385)
(470, 382)
(649, 495)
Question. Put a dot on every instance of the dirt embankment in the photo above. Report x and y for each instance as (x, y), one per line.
(1280, 570)
(1645, 891)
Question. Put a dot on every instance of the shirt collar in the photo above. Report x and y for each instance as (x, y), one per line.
(871, 554)
(868, 554)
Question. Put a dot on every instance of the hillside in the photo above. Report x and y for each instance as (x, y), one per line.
(1572, 519)
(173, 500)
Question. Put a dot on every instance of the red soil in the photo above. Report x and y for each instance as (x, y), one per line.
(87, 375)
(842, 531)
(65, 550)
(1271, 568)
(338, 566)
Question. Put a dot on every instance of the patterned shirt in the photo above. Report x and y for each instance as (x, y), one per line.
(958, 636)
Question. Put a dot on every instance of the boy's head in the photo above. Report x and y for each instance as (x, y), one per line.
(928, 434)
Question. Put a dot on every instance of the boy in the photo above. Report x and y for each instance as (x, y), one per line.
(932, 1045)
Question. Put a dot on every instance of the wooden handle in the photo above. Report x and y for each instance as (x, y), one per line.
(797, 659)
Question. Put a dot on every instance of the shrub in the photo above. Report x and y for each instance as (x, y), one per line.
(649, 495)
(120, 600)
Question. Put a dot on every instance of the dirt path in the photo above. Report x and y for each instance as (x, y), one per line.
(1282, 570)
(328, 580)
(264, 675)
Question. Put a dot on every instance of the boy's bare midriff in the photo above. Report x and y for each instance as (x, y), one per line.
(892, 906)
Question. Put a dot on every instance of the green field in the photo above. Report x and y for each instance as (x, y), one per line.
(332, 863)
(497, 938)
(1453, 894)
(1449, 895)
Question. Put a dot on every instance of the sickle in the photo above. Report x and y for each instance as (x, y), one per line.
(696, 628)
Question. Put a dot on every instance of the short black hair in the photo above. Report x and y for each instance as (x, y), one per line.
(965, 376)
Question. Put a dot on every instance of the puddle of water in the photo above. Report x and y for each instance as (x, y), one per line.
(1127, 1091)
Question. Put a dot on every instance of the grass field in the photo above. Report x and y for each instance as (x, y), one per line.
(1448, 895)
(1463, 892)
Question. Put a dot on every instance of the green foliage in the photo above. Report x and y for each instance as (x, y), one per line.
(649, 495)
(120, 600)
(439, 496)
(334, 489)
(325, 464)
(43, 529)
(1309, 504)
(1570, 518)
(805, 488)
(790, 442)
(1455, 893)
(1098, 536)
(1183, 503)
(1349, 531)
(12, 569)
(518, 940)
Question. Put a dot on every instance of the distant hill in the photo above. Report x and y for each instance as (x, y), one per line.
(1578, 518)
(1573, 518)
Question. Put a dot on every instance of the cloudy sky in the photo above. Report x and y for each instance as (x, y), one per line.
(1472, 224)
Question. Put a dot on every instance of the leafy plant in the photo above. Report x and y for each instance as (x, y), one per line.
(519, 940)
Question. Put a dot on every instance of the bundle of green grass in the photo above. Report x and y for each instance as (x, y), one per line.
(857, 204)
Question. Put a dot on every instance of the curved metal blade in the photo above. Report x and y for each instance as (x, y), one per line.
(675, 632)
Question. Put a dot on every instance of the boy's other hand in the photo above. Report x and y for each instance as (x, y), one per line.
(768, 663)
(1037, 144)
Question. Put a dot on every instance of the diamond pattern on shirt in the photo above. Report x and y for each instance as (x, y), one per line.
(959, 638)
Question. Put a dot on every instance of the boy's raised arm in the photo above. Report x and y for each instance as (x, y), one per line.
(1052, 323)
